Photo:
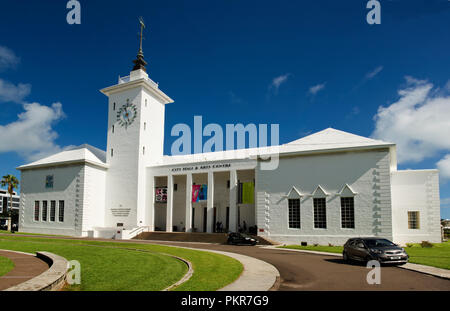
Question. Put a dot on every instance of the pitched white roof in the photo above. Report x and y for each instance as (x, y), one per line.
(331, 139)
(81, 154)
(327, 140)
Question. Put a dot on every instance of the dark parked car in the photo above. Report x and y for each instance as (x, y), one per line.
(241, 238)
(366, 249)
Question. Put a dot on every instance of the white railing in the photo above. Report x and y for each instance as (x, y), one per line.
(129, 234)
(124, 79)
(127, 79)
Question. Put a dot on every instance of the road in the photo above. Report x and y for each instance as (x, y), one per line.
(303, 271)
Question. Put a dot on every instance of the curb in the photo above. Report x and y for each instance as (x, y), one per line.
(185, 278)
(257, 275)
(437, 272)
(52, 279)
(301, 251)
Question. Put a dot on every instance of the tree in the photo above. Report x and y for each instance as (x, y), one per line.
(11, 182)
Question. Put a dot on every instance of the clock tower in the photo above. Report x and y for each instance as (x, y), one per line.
(136, 108)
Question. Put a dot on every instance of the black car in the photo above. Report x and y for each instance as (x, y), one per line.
(366, 249)
(241, 238)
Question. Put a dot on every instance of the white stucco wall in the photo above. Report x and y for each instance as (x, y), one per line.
(367, 173)
(81, 187)
(416, 191)
(126, 179)
(68, 186)
(93, 215)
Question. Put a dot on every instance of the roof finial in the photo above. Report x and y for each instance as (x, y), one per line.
(139, 62)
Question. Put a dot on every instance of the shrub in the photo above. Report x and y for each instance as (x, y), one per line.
(426, 244)
(330, 245)
(315, 244)
(409, 244)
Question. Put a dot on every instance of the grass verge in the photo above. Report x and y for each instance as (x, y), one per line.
(115, 266)
(6, 265)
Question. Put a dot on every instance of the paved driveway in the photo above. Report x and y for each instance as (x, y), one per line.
(303, 271)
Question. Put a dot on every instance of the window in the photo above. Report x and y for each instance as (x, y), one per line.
(52, 210)
(348, 212)
(146, 103)
(114, 106)
(61, 211)
(143, 150)
(113, 129)
(49, 181)
(44, 210)
(320, 213)
(145, 126)
(413, 220)
(294, 213)
(112, 152)
(36, 210)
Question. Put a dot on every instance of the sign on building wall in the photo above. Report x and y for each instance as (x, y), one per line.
(161, 195)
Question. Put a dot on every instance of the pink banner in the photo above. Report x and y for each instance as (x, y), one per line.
(195, 192)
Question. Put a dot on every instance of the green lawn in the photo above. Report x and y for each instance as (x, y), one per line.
(436, 256)
(118, 266)
(6, 265)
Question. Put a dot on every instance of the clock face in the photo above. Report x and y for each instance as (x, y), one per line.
(126, 114)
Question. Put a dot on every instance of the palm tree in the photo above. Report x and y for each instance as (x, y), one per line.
(12, 182)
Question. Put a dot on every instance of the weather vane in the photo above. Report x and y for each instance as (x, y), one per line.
(141, 22)
(140, 63)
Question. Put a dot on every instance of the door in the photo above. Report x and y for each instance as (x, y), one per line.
(360, 250)
(215, 220)
(227, 221)
(205, 218)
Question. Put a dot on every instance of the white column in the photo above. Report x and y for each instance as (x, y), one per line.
(169, 203)
(188, 220)
(233, 200)
(151, 212)
(210, 204)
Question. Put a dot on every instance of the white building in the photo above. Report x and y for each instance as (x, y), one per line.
(328, 186)
(5, 201)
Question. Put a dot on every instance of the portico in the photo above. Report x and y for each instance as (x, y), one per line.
(220, 210)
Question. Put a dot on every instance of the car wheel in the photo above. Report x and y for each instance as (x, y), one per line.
(345, 257)
(368, 258)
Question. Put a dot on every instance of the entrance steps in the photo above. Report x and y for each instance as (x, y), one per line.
(220, 238)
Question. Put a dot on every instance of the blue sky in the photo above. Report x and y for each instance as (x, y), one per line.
(306, 65)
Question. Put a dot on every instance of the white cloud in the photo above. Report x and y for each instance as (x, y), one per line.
(316, 88)
(7, 58)
(444, 167)
(278, 81)
(374, 72)
(13, 93)
(418, 122)
(31, 135)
